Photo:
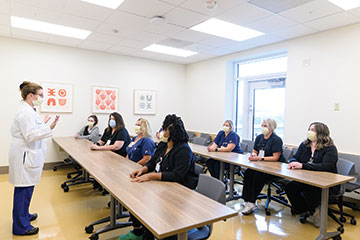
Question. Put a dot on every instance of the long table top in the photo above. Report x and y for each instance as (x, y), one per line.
(165, 208)
(314, 178)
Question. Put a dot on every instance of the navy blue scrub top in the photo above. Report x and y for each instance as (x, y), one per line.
(141, 148)
(271, 145)
(232, 137)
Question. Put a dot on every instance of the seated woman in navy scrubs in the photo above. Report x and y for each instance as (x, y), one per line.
(172, 161)
(267, 147)
(115, 138)
(317, 153)
(225, 141)
(142, 147)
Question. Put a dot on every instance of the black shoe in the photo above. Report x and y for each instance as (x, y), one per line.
(33, 217)
(33, 231)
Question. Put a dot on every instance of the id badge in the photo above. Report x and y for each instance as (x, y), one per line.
(157, 167)
(261, 153)
(108, 142)
(131, 144)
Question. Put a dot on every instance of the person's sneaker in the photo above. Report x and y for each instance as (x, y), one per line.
(249, 208)
(244, 204)
(130, 236)
(315, 218)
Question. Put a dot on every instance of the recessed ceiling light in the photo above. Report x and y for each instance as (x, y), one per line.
(346, 4)
(169, 50)
(113, 4)
(228, 30)
(34, 25)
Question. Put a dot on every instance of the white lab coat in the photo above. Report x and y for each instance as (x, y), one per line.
(28, 147)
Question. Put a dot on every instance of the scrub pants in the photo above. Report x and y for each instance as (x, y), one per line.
(214, 167)
(254, 182)
(21, 215)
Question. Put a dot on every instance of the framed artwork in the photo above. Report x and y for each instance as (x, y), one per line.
(144, 101)
(58, 97)
(104, 99)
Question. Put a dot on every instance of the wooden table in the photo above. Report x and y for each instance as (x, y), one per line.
(165, 208)
(323, 180)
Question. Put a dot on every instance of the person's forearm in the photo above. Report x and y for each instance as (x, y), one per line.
(144, 160)
(155, 176)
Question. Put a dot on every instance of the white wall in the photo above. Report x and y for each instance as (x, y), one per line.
(83, 68)
(311, 92)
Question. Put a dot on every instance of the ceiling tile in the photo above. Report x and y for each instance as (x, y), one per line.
(173, 2)
(54, 5)
(144, 54)
(191, 35)
(236, 47)
(104, 38)
(355, 11)
(217, 42)
(271, 24)
(199, 6)
(163, 28)
(65, 41)
(92, 45)
(333, 21)
(145, 36)
(276, 6)
(29, 35)
(4, 19)
(87, 10)
(220, 51)
(35, 13)
(127, 20)
(5, 30)
(185, 18)
(197, 47)
(148, 8)
(294, 31)
(5, 6)
(110, 29)
(243, 14)
(77, 22)
(264, 40)
(312, 10)
(122, 50)
(133, 43)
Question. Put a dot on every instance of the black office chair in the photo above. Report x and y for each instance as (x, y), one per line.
(199, 159)
(207, 137)
(250, 145)
(191, 136)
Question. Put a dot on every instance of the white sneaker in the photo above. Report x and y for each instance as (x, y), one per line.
(315, 218)
(244, 204)
(249, 208)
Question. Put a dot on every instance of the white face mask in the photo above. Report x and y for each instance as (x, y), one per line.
(311, 135)
(265, 130)
(90, 124)
(162, 137)
(37, 102)
(137, 130)
(226, 129)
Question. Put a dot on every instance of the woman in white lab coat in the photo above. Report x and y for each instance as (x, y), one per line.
(27, 155)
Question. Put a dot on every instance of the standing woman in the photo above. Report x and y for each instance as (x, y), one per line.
(115, 138)
(142, 147)
(27, 155)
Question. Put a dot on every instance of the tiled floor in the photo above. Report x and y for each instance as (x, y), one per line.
(64, 216)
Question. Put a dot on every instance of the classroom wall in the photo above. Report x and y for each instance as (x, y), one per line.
(311, 91)
(20, 59)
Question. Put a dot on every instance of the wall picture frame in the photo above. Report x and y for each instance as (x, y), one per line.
(105, 99)
(144, 102)
(58, 97)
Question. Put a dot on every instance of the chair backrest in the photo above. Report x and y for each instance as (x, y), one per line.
(345, 167)
(212, 188)
(244, 147)
(207, 137)
(198, 169)
(191, 136)
(200, 141)
(288, 154)
(249, 143)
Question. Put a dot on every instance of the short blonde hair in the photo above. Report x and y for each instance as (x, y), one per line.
(271, 123)
(145, 127)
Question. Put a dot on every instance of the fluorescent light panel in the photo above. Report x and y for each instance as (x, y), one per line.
(228, 30)
(346, 4)
(113, 4)
(169, 50)
(34, 25)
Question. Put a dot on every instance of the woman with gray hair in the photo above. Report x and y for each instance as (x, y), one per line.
(225, 141)
(267, 147)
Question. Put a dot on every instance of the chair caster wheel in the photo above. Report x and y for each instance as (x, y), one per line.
(94, 237)
(63, 185)
(338, 237)
(268, 213)
(108, 204)
(340, 229)
(353, 221)
(303, 220)
(342, 219)
(54, 169)
(66, 189)
(89, 229)
(68, 176)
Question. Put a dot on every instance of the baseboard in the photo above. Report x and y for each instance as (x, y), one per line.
(47, 166)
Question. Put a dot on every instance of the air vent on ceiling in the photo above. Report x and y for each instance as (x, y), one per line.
(173, 42)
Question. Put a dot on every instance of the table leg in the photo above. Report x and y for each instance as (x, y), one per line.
(182, 236)
(221, 176)
(231, 187)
